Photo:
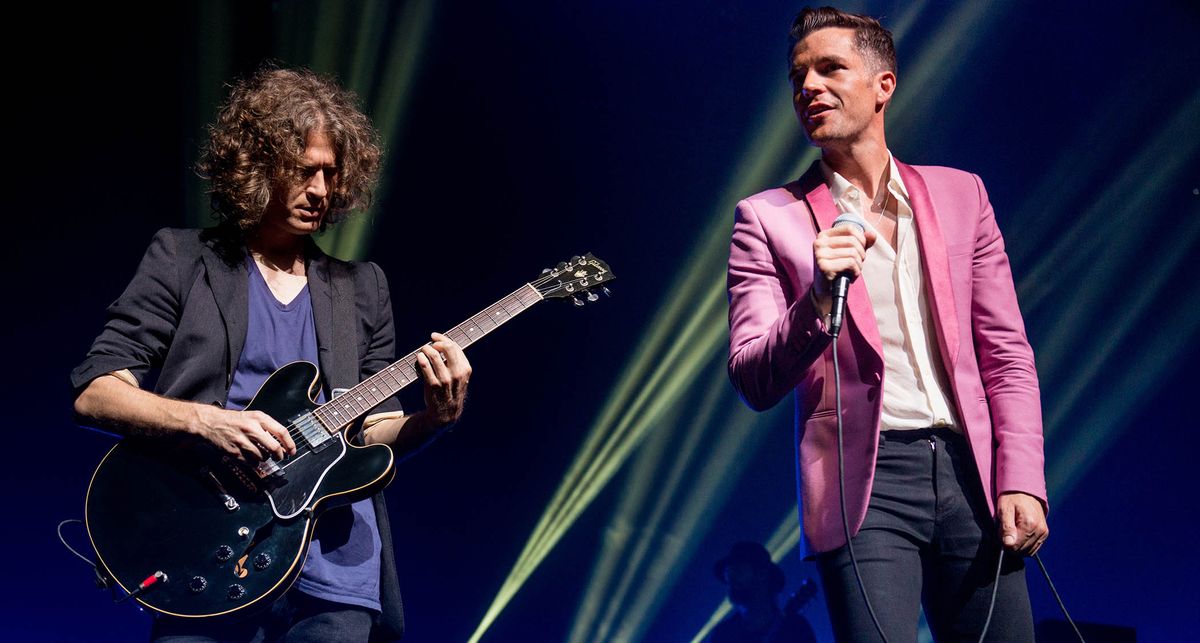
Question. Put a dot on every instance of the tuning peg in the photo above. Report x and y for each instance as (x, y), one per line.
(578, 302)
(606, 291)
(591, 296)
(562, 265)
(545, 270)
(576, 259)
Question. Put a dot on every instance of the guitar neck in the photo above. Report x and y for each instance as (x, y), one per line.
(352, 404)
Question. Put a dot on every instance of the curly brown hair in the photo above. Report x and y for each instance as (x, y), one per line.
(259, 139)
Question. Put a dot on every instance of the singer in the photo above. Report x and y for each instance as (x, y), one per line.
(940, 402)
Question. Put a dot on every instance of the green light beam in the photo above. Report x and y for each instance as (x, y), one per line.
(1123, 205)
(404, 49)
(639, 488)
(597, 470)
(1122, 257)
(710, 488)
(601, 465)
(782, 541)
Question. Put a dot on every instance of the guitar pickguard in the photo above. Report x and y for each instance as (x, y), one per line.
(294, 487)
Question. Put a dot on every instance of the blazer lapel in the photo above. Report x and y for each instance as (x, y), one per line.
(333, 314)
(229, 288)
(858, 302)
(935, 262)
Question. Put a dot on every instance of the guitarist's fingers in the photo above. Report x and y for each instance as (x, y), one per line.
(436, 372)
(456, 360)
(268, 444)
(277, 431)
(251, 450)
(425, 365)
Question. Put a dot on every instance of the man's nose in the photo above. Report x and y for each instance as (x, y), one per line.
(317, 185)
(811, 85)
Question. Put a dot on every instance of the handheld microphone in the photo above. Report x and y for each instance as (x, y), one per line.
(841, 283)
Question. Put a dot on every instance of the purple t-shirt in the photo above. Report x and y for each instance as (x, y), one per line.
(343, 561)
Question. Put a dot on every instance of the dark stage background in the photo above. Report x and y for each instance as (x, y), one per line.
(522, 133)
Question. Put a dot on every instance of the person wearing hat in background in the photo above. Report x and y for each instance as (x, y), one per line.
(754, 582)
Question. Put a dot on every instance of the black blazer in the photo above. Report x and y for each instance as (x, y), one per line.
(181, 323)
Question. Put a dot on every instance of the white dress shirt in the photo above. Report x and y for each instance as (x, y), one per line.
(914, 383)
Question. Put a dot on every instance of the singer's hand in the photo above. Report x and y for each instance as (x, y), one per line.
(1022, 521)
(835, 250)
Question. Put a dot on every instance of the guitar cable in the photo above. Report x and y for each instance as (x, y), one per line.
(102, 580)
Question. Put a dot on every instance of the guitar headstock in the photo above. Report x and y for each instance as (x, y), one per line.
(577, 279)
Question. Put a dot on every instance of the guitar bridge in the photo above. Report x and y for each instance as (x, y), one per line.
(267, 468)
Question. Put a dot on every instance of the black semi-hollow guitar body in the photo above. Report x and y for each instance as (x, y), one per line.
(193, 535)
(226, 537)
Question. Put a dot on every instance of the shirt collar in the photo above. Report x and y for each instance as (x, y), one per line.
(843, 190)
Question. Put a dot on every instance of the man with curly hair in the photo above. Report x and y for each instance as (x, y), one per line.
(214, 312)
(940, 428)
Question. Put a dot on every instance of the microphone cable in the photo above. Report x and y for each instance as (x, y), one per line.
(1058, 598)
(837, 395)
(862, 588)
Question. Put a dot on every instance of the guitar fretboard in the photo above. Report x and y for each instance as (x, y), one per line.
(349, 406)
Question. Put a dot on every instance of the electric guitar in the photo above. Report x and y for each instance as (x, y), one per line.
(191, 534)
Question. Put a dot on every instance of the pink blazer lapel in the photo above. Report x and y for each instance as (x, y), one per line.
(936, 263)
(858, 302)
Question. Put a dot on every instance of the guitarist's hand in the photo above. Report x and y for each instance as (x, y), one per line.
(446, 371)
(248, 436)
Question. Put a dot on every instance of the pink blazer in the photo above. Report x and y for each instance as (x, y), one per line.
(778, 344)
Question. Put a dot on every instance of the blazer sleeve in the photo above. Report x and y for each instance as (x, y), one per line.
(141, 323)
(771, 343)
(1006, 364)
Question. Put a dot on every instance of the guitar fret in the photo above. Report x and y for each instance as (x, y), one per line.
(372, 391)
(472, 330)
(459, 336)
(485, 323)
(529, 295)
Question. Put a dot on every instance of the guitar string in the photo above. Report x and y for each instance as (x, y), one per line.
(407, 362)
(295, 431)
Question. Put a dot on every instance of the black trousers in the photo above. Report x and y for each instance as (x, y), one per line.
(928, 539)
(294, 618)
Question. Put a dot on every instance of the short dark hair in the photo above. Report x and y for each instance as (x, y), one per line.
(873, 41)
(260, 136)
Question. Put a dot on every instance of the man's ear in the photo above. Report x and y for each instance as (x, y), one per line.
(885, 86)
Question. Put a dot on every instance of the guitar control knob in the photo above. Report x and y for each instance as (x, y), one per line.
(262, 561)
(236, 592)
(197, 584)
(224, 553)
